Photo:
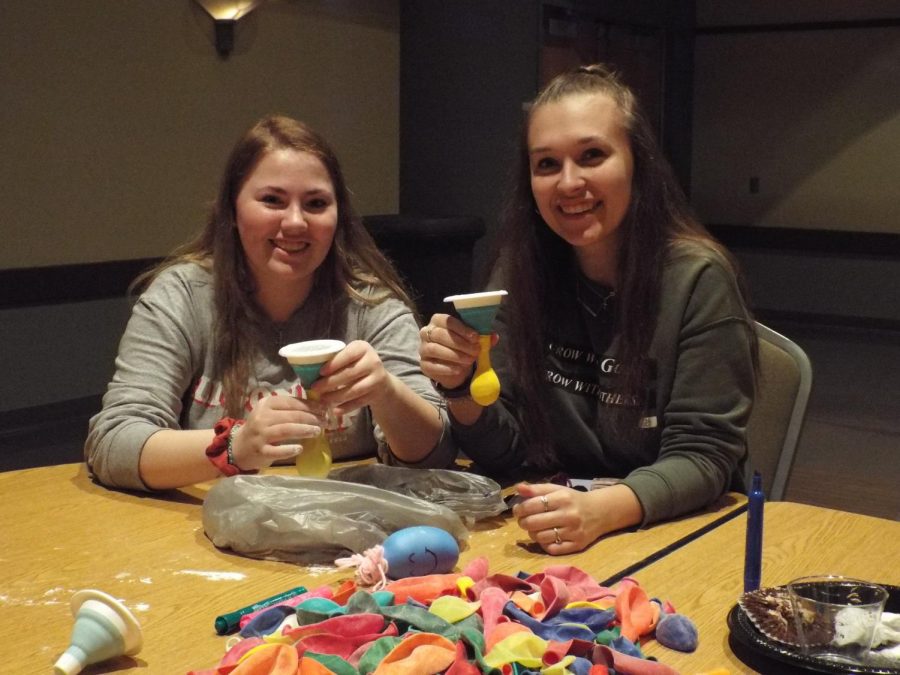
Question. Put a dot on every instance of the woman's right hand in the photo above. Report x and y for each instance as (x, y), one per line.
(448, 350)
(272, 430)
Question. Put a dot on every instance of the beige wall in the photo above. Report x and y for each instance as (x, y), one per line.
(117, 115)
(815, 115)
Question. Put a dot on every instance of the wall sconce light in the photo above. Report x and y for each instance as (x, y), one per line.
(225, 14)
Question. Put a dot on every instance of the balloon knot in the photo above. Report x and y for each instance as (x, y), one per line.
(371, 567)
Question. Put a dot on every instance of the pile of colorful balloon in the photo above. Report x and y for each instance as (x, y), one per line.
(465, 623)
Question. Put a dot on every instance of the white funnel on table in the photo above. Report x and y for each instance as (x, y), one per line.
(104, 629)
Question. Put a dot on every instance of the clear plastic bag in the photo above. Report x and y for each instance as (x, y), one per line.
(470, 495)
(309, 520)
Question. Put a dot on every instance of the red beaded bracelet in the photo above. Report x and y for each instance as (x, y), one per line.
(220, 452)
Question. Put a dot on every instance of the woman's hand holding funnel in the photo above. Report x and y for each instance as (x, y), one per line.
(451, 346)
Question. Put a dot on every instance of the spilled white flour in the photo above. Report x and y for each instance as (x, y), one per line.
(31, 602)
(52, 596)
(215, 576)
(122, 576)
(317, 570)
(60, 596)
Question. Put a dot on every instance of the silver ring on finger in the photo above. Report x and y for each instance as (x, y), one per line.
(545, 502)
(556, 533)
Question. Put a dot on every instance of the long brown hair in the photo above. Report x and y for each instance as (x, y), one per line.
(353, 263)
(532, 259)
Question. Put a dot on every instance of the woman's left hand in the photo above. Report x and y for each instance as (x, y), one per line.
(562, 520)
(355, 377)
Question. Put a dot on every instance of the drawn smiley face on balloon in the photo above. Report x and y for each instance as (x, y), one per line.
(420, 550)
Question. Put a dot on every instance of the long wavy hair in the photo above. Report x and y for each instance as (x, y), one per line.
(534, 262)
(354, 263)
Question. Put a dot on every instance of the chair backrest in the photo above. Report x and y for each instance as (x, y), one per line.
(773, 431)
(434, 255)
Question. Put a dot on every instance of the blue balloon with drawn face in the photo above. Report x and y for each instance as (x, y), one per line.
(420, 550)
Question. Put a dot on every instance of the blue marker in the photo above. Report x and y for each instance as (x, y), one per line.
(753, 548)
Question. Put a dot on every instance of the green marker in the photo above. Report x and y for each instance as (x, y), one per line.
(229, 622)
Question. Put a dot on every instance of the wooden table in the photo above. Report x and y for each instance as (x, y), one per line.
(62, 533)
(705, 578)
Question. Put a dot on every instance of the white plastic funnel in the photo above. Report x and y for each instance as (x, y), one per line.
(104, 629)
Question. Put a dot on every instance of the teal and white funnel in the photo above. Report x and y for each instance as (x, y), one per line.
(307, 358)
(104, 629)
(478, 310)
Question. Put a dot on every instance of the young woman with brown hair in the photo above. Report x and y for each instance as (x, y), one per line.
(626, 349)
(283, 258)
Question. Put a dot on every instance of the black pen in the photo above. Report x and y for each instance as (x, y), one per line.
(753, 547)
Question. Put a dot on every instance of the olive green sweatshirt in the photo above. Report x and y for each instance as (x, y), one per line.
(690, 448)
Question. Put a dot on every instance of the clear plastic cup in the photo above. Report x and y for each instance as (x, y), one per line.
(836, 616)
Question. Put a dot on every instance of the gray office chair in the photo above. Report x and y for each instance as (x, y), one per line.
(773, 431)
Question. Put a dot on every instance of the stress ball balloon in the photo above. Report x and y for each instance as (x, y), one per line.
(420, 550)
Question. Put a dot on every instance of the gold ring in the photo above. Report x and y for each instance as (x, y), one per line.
(428, 330)
(545, 502)
(556, 532)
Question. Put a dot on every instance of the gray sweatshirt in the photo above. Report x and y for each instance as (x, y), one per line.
(164, 372)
